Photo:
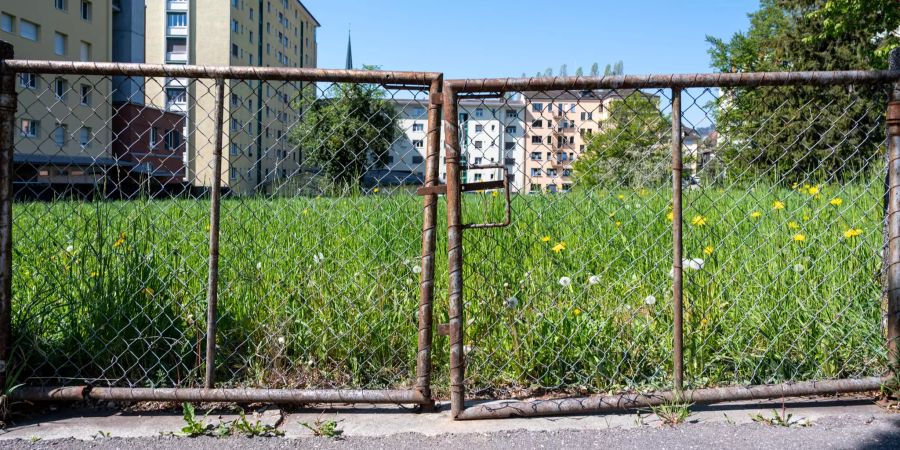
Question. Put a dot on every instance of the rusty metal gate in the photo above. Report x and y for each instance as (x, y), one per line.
(216, 233)
(665, 246)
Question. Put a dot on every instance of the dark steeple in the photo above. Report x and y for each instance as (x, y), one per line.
(349, 53)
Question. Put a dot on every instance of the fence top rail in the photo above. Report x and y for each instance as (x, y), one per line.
(688, 80)
(224, 72)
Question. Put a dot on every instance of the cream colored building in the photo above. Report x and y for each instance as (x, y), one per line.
(257, 154)
(63, 121)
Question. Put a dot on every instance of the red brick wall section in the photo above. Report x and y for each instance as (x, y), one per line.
(132, 125)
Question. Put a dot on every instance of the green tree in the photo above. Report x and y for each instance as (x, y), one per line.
(579, 72)
(631, 148)
(346, 132)
(805, 131)
(595, 70)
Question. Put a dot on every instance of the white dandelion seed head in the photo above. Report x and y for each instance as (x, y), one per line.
(672, 273)
(281, 340)
(70, 248)
(650, 300)
(594, 279)
(799, 268)
(511, 302)
(565, 281)
(259, 266)
(318, 258)
(505, 285)
(468, 349)
(417, 269)
(693, 263)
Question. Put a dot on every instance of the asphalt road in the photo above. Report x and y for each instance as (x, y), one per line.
(838, 432)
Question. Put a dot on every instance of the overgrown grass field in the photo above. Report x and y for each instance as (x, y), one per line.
(780, 283)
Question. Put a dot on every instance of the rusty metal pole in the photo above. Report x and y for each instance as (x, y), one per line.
(7, 141)
(214, 209)
(893, 220)
(677, 245)
(455, 254)
(429, 225)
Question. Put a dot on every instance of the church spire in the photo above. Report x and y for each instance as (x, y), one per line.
(349, 52)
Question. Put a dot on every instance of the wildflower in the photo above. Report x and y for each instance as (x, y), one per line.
(799, 268)
(618, 224)
(693, 263)
(594, 279)
(806, 217)
(545, 239)
(621, 197)
(778, 204)
(756, 214)
(258, 266)
(670, 216)
(560, 246)
(375, 191)
(650, 300)
(119, 242)
(148, 291)
(793, 225)
(799, 237)
(813, 190)
(494, 194)
(576, 312)
(94, 274)
(708, 250)
(207, 227)
(417, 269)
(698, 221)
(70, 248)
(837, 201)
(281, 340)
(565, 281)
(852, 233)
(318, 258)
(511, 302)
(305, 212)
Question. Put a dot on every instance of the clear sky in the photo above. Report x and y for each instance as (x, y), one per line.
(500, 38)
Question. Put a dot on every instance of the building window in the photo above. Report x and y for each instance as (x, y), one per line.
(154, 137)
(535, 156)
(251, 37)
(479, 112)
(59, 44)
(537, 124)
(509, 145)
(511, 130)
(567, 172)
(84, 137)
(537, 107)
(60, 87)
(59, 135)
(417, 159)
(7, 23)
(418, 127)
(235, 3)
(511, 114)
(535, 172)
(86, 10)
(173, 139)
(176, 20)
(536, 140)
(29, 30)
(235, 125)
(477, 177)
(551, 173)
(235, 150)
(479, 128)
(62, 5)
(478, 144)
(176, 97)
(478, 160)
(418, 143)
(86, 94)
(251, 13)
(234, 173)
(85, 52)
(31, 128)
(235, 50)
(235, 26)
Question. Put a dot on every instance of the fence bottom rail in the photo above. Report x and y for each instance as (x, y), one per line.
(220, 395)
(607, 403)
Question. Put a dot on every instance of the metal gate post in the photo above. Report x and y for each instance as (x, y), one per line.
(455, 255)
(214, 210)
(893, 220)
(8, 105)
(677, 247)
(429, 223)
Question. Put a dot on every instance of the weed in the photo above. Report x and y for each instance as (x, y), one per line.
(674, 412)
(780, 419)
(324, 428)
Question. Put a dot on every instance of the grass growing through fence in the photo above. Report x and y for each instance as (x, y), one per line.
(322, 292)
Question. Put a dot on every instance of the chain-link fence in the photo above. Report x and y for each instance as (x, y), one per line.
(237, 228)
(761, 263)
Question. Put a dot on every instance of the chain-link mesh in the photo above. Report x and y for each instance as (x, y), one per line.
(321, 231)
(782, 214)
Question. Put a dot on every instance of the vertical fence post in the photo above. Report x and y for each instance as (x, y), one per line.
(677, 264)
(7, 141)
(454, 255)
(214, 208)
(893, 220)
(429, 223)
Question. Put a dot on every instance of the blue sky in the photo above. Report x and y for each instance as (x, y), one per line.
(496, 38)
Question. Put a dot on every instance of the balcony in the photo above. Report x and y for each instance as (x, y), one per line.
(176, 57)
(563, 130)
(177, 5)
(176, 107)
(177, 82)
(176, 30)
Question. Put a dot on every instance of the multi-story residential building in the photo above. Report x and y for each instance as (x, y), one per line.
(560, 124)
(491, 132)
(63, 133)
(406, 157)
(258, 115)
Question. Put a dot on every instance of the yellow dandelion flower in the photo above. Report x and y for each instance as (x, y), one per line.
(576, 312)
(778, 204)
(799, 237)
(852, 233)
(94, 274)
(494, 194)
(837, 201)
(119, 242)
(545, 239)
(698, 221)
(793, 225)
(806, 217)
(794, 186)
(560, 246)
(621, 196)
(756, 214)
(618, 224)
(708, 250)
(375, 190)
(813, 190)
(670, 216)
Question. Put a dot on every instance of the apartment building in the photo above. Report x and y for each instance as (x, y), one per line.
(258, 115)
(560, 124)
(406, 157)
(63, 133)
(491, 133)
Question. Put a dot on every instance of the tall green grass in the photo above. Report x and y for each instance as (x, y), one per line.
(323, 292)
